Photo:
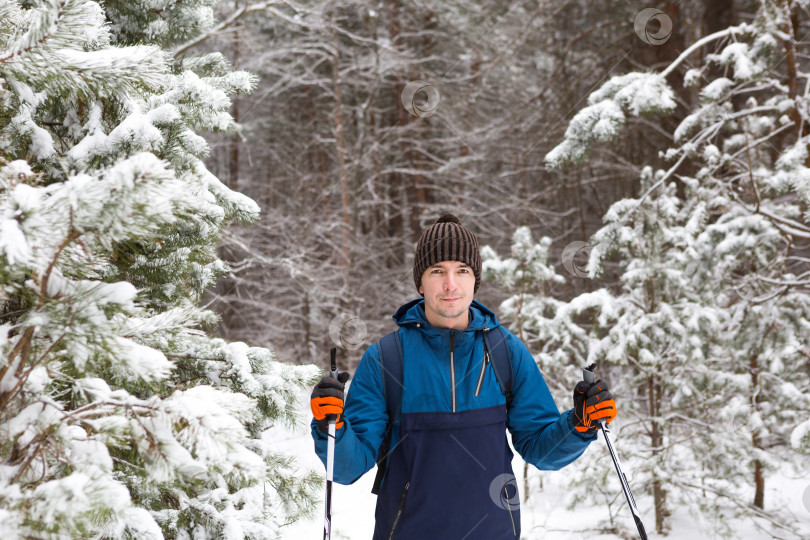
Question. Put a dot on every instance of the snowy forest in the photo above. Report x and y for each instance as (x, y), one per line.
(199, 198)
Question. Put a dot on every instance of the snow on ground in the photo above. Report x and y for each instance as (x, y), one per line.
(543, 516)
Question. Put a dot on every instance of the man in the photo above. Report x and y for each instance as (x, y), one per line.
(449, 467)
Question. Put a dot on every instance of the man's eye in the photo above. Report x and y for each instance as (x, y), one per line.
(464, 270)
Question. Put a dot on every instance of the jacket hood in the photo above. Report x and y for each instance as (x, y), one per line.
(414, 313)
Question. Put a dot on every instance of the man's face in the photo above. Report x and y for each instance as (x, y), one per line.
(448, 290)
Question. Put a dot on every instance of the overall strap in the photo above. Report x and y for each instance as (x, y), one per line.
(495, 343)
(390, 350)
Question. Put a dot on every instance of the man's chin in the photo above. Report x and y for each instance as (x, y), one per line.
(454, 313)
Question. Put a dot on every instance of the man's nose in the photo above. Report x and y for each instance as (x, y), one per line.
(449, 282)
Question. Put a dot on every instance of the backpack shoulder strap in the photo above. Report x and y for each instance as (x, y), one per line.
(390, 350)
(498, 350)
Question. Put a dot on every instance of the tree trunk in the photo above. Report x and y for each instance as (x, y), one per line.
(759, 473)
(233, 174)
(790, 64)
(525, 482)
(340, 147)
(656, 443)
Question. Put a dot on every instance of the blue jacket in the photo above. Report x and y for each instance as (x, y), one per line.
(450, 455)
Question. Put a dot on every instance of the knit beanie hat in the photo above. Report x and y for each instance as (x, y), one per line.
(446, 240)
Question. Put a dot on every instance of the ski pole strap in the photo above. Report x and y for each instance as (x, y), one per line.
(390, 350)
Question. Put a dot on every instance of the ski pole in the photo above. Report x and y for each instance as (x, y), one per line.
(588, 377)
(330, 455)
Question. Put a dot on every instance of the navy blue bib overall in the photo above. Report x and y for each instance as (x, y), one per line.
(450, 477)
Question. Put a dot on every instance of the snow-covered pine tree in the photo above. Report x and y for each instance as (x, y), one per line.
(659, 332)
(634, 337)
(526, 276)
(727, 395)
(120, 417)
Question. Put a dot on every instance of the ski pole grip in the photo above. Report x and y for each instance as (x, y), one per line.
(333, 371)
(587, 374)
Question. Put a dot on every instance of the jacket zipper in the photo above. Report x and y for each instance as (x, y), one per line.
(400, 508)
(452, 370)
(484, 363)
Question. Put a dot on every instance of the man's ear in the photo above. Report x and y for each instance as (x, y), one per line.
(420, 291)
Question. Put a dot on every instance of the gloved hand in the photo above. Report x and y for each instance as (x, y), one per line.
(592, 402)
(327, 398)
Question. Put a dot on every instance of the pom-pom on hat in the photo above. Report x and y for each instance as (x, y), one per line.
(446, 240)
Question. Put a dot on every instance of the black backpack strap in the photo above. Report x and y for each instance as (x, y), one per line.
(390, 350)
(495, 343)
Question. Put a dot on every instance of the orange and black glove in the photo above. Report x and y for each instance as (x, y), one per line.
(592, 402)
(327, 399)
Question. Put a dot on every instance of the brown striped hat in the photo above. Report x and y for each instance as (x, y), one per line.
(446, 240)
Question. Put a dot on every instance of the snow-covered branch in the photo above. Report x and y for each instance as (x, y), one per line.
(232, 19)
